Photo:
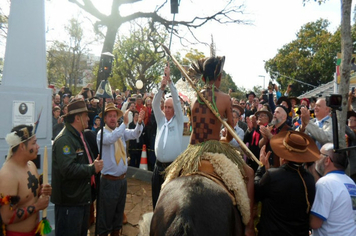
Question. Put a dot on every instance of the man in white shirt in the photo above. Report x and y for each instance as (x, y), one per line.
(169, 132)
(334, 209)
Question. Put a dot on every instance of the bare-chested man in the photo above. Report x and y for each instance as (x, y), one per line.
(19, 177)
(206, 126)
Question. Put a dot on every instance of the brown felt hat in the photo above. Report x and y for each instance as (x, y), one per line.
(111, 107)
(239, 108)
(269, 114)
(295, 146)
(76, 107)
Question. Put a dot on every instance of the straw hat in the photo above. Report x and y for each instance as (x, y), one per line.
(295, 146)
(111, 107)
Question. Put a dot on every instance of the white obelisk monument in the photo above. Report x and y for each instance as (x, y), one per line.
(24, 91)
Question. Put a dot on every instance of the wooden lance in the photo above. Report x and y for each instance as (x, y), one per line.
(228, 127)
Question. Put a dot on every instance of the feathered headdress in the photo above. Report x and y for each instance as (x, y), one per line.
(207, 69)
(21, 134)
(18, 136)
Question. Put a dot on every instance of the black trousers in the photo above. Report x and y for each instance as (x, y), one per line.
(157, 180)
(72, 220)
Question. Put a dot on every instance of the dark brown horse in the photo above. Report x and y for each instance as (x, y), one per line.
(195, 205)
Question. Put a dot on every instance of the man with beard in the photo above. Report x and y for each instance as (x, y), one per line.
(57, 100)
(279, 123)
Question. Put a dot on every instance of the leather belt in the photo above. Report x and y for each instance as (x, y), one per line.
(112, 177)
(163, 164)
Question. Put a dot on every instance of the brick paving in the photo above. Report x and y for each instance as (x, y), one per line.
(138, 202)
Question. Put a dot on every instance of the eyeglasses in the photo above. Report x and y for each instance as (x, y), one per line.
(353, 120)
(325, 155)
(242, 103)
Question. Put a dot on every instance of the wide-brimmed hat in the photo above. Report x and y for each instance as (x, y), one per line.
(75, 107)
(269, 114)
(251, 92)
(295, 146)
(286, 99)
(239, 108)
(297, 100)
(111, 107)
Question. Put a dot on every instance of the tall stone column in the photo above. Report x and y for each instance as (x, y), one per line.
(24, 91)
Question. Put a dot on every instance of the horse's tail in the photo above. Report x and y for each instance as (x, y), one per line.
(145, 224)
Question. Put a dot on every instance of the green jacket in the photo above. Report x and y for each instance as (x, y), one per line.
(71, 171)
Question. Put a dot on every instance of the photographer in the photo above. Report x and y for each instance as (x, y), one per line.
(319, 128)
(86, 92)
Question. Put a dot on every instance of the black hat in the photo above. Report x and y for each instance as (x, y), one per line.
(351, 113)
(297, 100)
(66, 95)
(251, 92)
(284, 108)
(285, 99)
(93, 98)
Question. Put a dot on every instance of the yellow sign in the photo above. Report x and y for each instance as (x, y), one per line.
(353, 68)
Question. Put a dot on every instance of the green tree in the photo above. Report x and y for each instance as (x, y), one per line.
(138, 57)
(3, 21)
(310, 58)
(226, 12)
(66, 61)
(191, 56)
(227, 83)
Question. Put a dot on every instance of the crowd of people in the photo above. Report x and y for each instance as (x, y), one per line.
(303, 185)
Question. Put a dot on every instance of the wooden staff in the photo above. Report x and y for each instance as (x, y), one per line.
(229, 128)
(44, 227)
(45, 175)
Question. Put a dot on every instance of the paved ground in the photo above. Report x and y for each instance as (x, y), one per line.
(138, 200)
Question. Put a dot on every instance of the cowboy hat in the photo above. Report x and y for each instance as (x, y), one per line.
(285, 99)
(239, 108)
(75, 107)
(295, 146)
(111, 107)
(269, 114)
(251, 92)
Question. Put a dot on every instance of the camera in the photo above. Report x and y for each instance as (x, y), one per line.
(353, 90)
(334, 101)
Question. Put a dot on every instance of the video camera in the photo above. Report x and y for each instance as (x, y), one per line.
(334, 101)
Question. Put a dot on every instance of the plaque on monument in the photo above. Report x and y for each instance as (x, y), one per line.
(23, 113)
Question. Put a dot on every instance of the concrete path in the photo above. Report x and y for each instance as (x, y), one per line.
(138, 200)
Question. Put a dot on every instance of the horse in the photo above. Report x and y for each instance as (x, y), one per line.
(195, 205)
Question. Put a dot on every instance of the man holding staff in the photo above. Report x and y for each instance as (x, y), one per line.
(21, 194)
(205, 139)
